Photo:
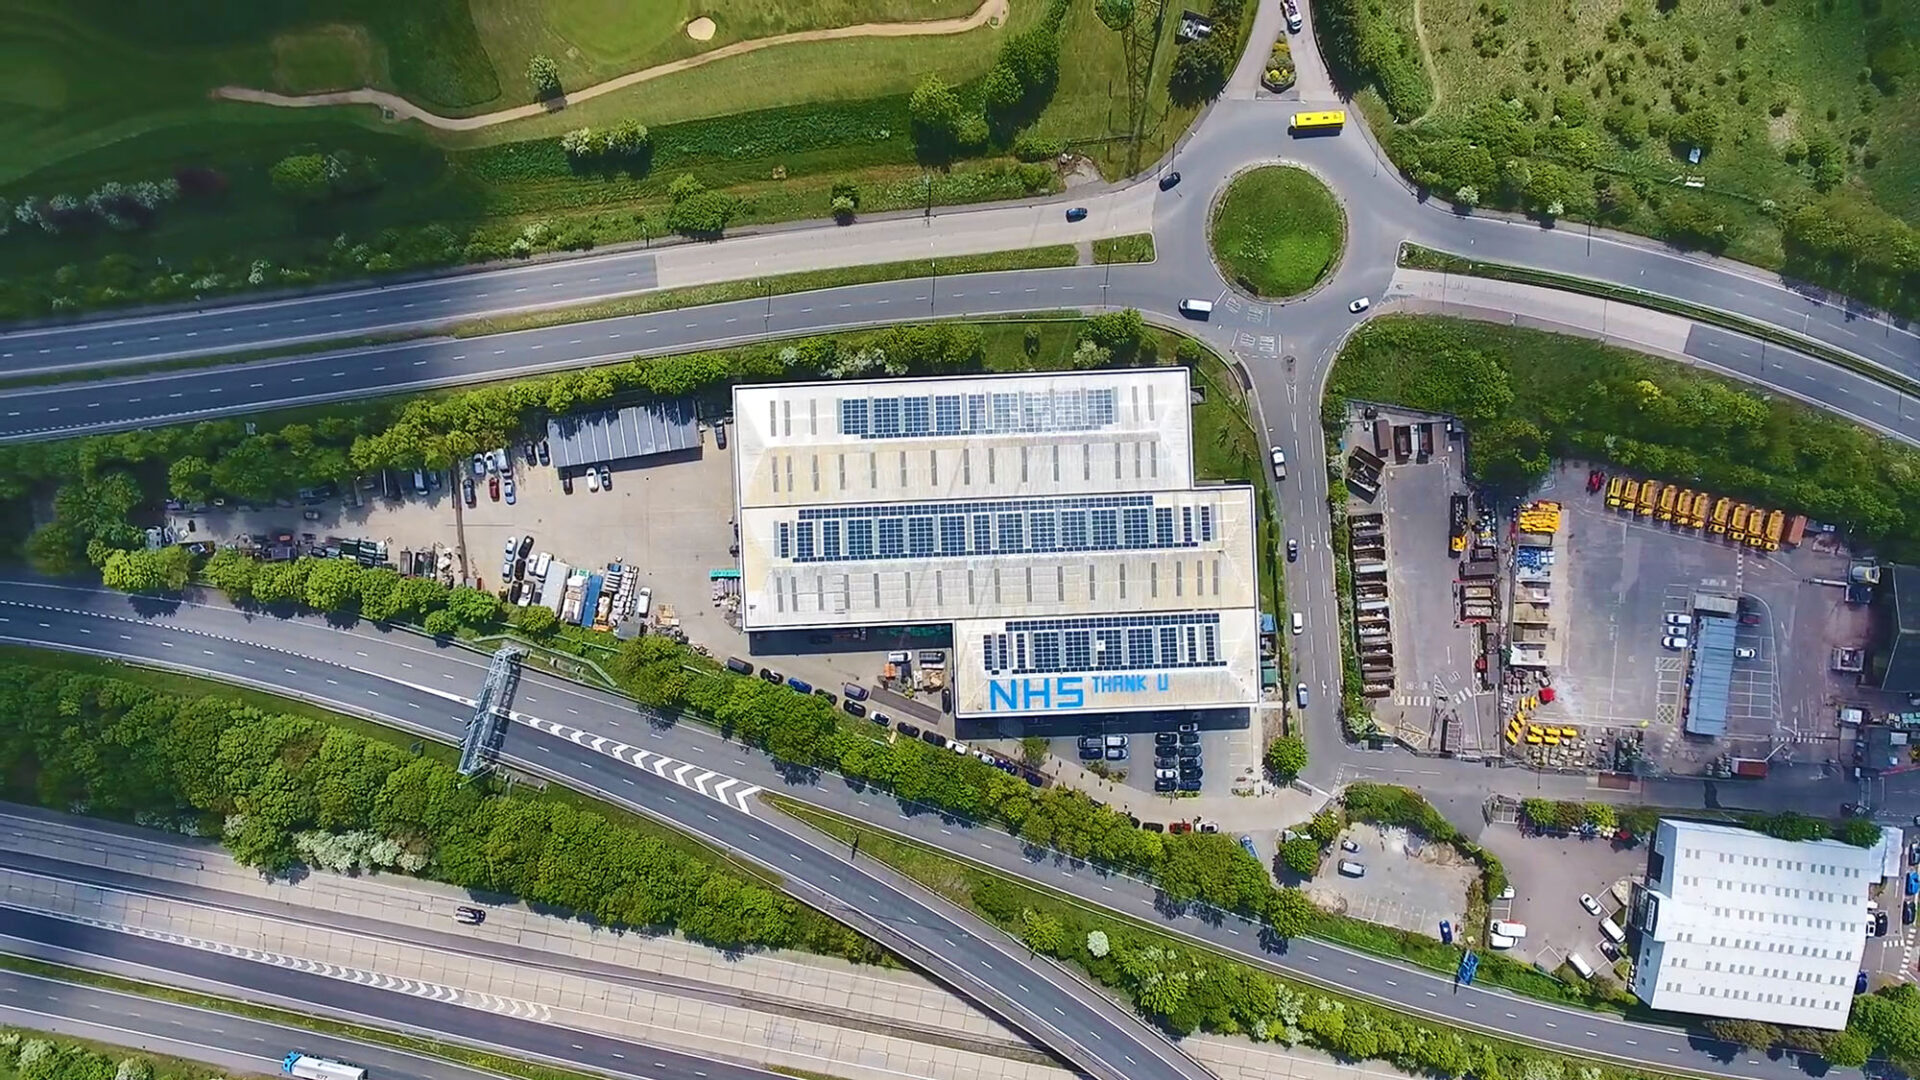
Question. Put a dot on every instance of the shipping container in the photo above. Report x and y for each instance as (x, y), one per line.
(1382, 439)
(1751, 768)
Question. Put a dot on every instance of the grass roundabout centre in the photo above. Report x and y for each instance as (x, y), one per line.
(1277, 231)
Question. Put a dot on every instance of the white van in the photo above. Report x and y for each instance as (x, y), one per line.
(1299, 622)
(541, 564)
(419, 482)
(1579, 964)
(1352, 869)
(1612, 931)
(1500, 941)
(1196, 309)
(1513, 930)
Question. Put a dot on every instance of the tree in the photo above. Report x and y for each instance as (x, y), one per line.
(1200, 68)
(1300, 855)
(704, 215)
(333, 585)
(1290, 912)
(1859, 832)
(1001, 89)
(189, 479)
(442, 624)
(159, 570)
(1748, 1033)
(231, 571)
(684, 186)
(1287, 756)
(1601, 816)
(935, 112)
(1119, 332)
(1041, 931)
(301, 178)
(543, 75)
(473, 607)
(537, 621)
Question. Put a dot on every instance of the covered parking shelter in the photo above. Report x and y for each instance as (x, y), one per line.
(611, 436)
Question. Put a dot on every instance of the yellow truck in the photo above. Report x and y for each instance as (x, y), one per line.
(1737, 528)
(1614, 484)
(1720, 508)
(1697, 516)
(1776, 523)
(1649, 496)
(1667, 495)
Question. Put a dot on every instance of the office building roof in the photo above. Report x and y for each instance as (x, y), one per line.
(637, 431)
(963, 437)
(1736, 923)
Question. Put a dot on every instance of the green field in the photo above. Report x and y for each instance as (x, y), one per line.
(1277, 231)
(1593, 112)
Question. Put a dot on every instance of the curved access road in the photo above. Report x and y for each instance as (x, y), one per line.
(603, 744)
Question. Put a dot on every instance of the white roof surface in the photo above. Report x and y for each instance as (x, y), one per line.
(1739, 924)
(1133, 662)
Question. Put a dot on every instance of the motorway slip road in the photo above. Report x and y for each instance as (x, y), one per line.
(603, 743)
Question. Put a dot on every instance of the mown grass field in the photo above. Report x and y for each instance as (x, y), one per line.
(1277, 231)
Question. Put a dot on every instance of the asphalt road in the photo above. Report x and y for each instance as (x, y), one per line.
(1075, 1022)
(518, 1037)
(409, 680)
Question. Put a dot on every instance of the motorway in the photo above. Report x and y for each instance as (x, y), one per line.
(601, 743)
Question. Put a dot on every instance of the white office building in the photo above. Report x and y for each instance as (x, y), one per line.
(1735, 923)
(1052, 520)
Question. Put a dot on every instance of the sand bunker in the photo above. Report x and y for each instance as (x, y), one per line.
(701, 29)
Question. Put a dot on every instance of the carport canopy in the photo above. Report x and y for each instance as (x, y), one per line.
(636, 431)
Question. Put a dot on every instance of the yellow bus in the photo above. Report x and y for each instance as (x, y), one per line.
(1319, 121)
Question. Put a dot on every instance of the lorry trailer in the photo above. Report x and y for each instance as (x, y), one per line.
(307, 1067)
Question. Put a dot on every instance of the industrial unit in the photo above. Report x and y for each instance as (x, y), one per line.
(1052, 521)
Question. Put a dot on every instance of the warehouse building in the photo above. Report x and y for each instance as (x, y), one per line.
(1738, 924)
(1052, 521)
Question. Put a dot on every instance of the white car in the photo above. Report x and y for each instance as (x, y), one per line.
(1675, 619)
(1588, 902)
(1674, 641)
(513, 545)
(1744, 653)
(1360, 305)
(479, 464)
(1279, 459)
(593, 480)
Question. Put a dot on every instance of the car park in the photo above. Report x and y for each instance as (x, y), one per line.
(471, 916)
(1077, 213)
(1588, 902)
(1169, 181)
(853, 708)
(1674, 641)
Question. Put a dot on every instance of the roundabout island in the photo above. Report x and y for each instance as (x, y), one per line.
(1277, 231)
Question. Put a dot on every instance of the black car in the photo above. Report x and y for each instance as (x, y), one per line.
(1906, 913)
(933, 737)
(1092, 753)
(1165, 738)
(1189, 738)
(1169, 181)
(468, 486)
(1189, 785)
(566, 482)
(828, 694)
(1163, 785)
(946, 700)
(1189, 751)
(1609, 950)
(1165, 762)
(527, 452)
(606, 478)
(854, 708)
(472, 916)
(526, 545)
(1880, 924)
(772, 676)
(909, 730)
(739, 666)
(720, 436)
(1033, 778)
(545, 458)
(1293, 550)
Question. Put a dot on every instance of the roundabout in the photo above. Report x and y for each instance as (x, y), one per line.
(1277, 231)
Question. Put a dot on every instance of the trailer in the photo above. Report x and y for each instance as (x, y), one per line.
(1369, 568)
(1665, 510)
(1796, 530)
(1720, 509)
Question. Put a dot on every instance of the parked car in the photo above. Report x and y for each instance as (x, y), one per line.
(479, 464)
(1674, 641)
(772, 676)
(1189, 785)
(933, 738)
(566, 483)
(1091, 740)
(1116, 753)
(1165, 774)
(545, 458)
(1077, 213)
(1446, 932)
(1677, 619)
(1092, 753)
(1752, 618)
(512, 547)
(1189, 738)
(1246, 845)
(1349, 846)
(1860, 983)
(1189, 728)
(1300, 695)
(1164, 784)
(739, 666)
(909, 730)
(1189, 751)
(1609, 950)
(1906, 913)
(797, 683)
(1165, 738)
(526, 546)
(880, 718)
(1588, 902)
(719, 436)
(467, 490)
(1913, 882)
(1170, 181)
(593, 480)
(506, 490)
(829, 696)
(606, 478)
(493, 487)
(1744, 653)
(853, 708)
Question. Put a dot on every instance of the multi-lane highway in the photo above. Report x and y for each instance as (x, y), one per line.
(601, 743)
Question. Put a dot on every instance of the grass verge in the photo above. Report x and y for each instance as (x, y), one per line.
(445, 1050)
(964, 883)
(1277, 231)
(1136, 248)
(777, 285)
(1415, 257)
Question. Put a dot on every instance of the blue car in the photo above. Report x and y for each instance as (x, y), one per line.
(800, 684)
(1446, 932)
(1913, 882)
(1078, 213)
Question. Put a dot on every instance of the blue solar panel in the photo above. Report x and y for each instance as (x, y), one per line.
(1106, 643)
(915, 419)
(946, 415)
(853, 416)
(830, 539)
(953, 536)
(892, 538)
(915, 416)
(1163, 526)
(920, 536)
(803, 541)
(1041, 525)
(886, 418)
(1136, 518)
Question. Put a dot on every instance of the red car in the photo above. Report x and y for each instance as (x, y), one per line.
(1595, 478)
(493, 487)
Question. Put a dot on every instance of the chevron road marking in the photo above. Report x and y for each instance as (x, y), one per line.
(726, 790)
(450, 995)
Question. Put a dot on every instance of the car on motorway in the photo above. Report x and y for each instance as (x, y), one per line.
(493, 488)
(1293, 550)
(1300, 695)
(1588, 902)
(1360, 305)
(466, 489)
(606, 478)
(471, 916)
(593, 480)
(1279, 459)
(1077, 213)
(1170, 181)
(1674, 641)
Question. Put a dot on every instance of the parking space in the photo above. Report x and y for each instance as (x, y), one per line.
(1209, 759)
(1549, 874)
(1408, 883)
(1891, 957)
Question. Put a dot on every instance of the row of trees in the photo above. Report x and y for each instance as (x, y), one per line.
(117, 206)
(1884, 1023)
(1530, 396)
(625, 143)
(271, 785)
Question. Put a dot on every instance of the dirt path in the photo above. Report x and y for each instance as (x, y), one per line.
(399, 108)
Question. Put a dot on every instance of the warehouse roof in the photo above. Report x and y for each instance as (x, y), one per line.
(636, 431)
(1712, 675)
(1737, 923)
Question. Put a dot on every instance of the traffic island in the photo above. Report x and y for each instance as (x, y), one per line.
(1277, 232)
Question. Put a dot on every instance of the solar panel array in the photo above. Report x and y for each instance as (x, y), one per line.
(991, 527)
(1105, 643)
(1023, 411)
